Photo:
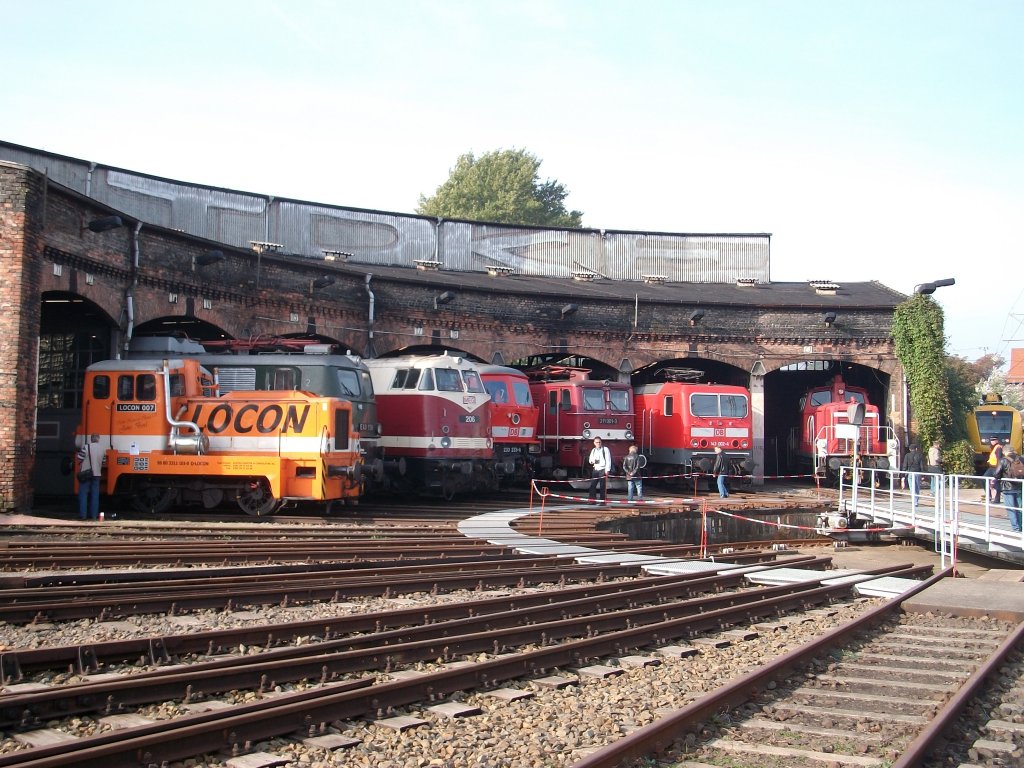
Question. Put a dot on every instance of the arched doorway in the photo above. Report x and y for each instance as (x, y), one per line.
(73, 333)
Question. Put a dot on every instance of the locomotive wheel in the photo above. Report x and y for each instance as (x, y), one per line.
(153, 499)
(254, 498)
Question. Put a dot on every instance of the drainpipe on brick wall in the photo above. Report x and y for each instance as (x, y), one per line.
(370, 351)
(88, 180)
(129, 298)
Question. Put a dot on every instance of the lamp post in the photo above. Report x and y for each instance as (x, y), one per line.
(927, 289)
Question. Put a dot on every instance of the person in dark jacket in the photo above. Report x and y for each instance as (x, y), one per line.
(631, 466)
(720, 470)
(913, 464)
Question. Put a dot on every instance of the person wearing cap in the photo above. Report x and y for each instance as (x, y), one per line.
(1011, 474)
(600, 461)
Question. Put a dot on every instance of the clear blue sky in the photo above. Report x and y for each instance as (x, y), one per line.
(875, 140)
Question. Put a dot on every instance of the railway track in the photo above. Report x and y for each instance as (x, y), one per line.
(517, 660)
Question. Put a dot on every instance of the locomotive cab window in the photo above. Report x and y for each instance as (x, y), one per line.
(473, 383)
(101, 387)
(400, 376)
(618, 399)
(348, 382)
(593, 399)
(145, 386)
(126, 387)
(412, 380)
(448, 380)
(521, 390)
(821, 398)
(427, 381)
(704, 405)
(177, 385)
(498, 391)
(734, 406)
(668, 407)
(566, 400)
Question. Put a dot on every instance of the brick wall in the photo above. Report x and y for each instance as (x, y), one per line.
(21, 206)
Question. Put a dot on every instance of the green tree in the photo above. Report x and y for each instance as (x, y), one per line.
(502, 186)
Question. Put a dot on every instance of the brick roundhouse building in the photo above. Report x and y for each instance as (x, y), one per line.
(94, 256)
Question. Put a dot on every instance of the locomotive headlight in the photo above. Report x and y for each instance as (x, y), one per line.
(445, 430)
(694, 442)
(515, 418)
(586, 425)
(446, 442)
(629, 425)
(629, 434)
(745, 444)
(586, 434)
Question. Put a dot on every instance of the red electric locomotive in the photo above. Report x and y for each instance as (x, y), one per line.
(436, 425)
(681, 422)
(829, 433)
(513, 421)
(574, 409)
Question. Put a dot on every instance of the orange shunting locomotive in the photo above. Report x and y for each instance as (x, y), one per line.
(170, 439)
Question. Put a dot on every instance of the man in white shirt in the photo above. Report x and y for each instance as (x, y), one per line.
(600, 460)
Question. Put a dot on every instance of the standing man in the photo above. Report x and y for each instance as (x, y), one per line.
(720, 470)
(934, 465)
(913, 463)
(993, 468)
(600, 460)
(634, 482)
(1012, 477)
(90, 467)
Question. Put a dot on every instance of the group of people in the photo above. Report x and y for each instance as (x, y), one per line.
(1005, 473)
(600, 460)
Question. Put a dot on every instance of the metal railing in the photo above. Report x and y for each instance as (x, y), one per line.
(953, 508)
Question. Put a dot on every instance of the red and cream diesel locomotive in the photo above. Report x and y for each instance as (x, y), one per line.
(574, 409)
(513, 422)
(680, 422)
(435, 423)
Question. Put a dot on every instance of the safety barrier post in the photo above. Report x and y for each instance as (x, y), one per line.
(704, 528)
(540, 520)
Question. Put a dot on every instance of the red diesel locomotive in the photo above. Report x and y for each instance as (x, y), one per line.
(513, 422)
(680, 423)
(574, 409)
(829, 434)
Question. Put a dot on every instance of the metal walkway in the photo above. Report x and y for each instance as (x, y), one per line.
(496, 528)
(953, 511)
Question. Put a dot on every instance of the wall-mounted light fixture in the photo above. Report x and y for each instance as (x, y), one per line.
(321, 282)
(104, 224)
(696, 316)
(444, 298)
(929, 288)
(830, 319)
(570, 309)
(206, 259)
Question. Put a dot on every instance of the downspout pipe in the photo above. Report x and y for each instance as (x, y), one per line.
(129, 299)
(370, 351)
